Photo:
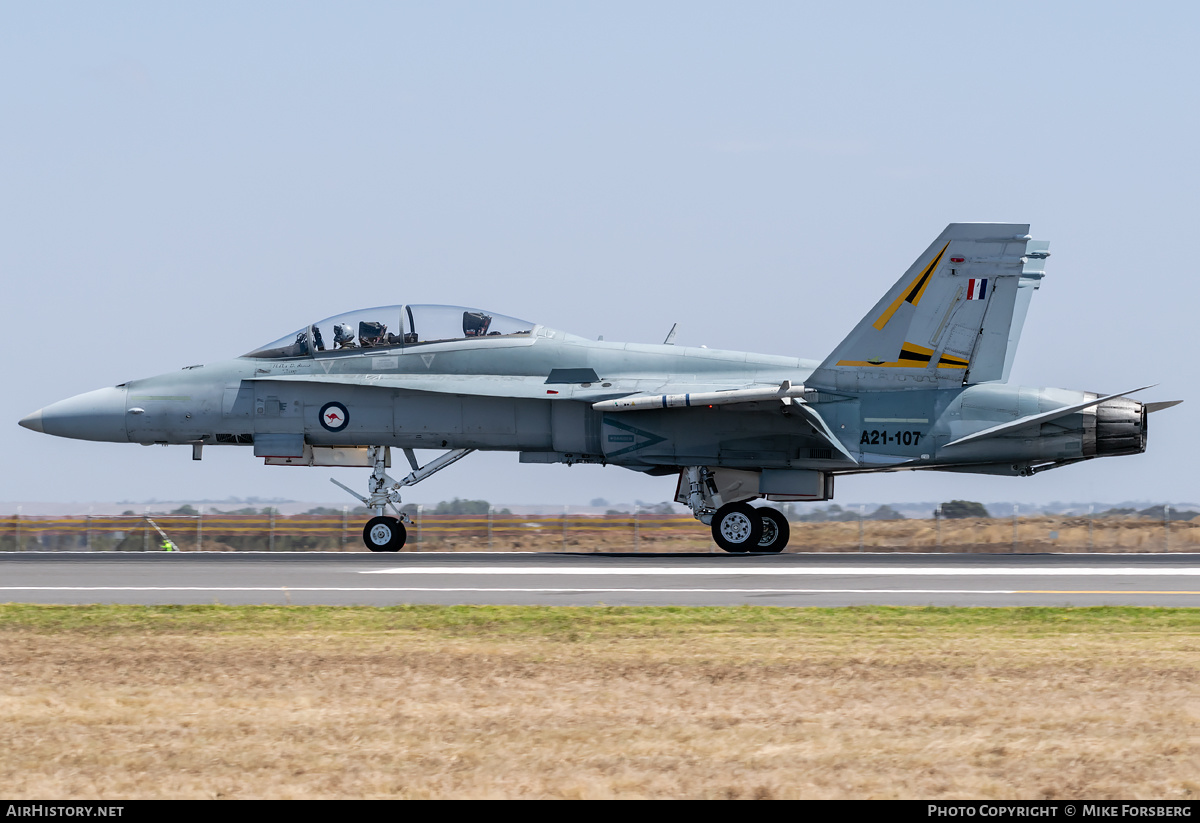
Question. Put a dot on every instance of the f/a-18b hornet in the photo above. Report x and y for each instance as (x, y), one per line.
(920, 383)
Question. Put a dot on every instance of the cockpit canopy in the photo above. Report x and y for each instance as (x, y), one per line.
(392, 327)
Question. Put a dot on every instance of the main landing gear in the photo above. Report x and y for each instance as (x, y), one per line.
(384, 532)
(738, 528)
(741, 528)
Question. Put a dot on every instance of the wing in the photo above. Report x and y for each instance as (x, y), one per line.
(698, 397)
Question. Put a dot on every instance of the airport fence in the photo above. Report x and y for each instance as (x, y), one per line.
(636, 532)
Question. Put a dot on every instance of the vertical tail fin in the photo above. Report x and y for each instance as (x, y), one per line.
(955, 317)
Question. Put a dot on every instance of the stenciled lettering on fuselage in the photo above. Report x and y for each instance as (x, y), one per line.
(900, 437)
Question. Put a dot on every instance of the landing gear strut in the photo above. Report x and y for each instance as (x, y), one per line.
(384, 533)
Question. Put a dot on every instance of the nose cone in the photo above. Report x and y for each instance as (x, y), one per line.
(96, 415)
(32, 421)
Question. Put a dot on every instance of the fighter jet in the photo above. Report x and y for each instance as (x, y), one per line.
(920, 383)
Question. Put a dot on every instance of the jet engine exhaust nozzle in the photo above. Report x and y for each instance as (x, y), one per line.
(1120, 428)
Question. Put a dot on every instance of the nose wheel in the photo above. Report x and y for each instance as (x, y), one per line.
(384, 534)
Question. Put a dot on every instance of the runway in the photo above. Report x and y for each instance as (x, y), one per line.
(565, 579)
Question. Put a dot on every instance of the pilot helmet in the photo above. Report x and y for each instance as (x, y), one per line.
(342, 334)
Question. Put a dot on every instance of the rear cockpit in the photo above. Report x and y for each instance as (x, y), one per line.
(393, 327)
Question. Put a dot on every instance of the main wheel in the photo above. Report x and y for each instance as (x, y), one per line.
(384, 534)
(775, 531)
(737, 527)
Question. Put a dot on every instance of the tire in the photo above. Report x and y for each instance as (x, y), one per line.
(384, 534)
(776, 531)
(737, 528)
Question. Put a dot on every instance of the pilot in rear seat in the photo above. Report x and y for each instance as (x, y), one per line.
(371, 334)
(475, 324)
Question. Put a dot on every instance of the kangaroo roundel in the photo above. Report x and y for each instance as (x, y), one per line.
(334, 417)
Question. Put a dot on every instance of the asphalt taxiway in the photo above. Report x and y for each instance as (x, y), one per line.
(566, 579)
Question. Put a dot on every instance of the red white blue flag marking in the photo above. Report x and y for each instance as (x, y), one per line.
(977, 288)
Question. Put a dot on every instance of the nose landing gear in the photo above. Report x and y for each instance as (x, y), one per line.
(385, 533)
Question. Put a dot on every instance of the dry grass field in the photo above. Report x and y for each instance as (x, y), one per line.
(495, 702)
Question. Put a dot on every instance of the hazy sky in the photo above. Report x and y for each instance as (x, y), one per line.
(183, 182)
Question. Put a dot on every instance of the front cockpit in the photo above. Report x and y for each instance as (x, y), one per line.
(393, 327)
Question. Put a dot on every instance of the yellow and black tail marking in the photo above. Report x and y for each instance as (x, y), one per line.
(915, 355)
(911, 356)
(913, 293)
(920, 356)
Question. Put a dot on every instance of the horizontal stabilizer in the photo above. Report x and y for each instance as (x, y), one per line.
(1038, 419)
(1159, 406)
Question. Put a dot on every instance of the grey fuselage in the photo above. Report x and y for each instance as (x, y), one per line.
(533, 393)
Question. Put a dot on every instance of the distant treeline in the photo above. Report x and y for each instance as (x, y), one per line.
(961, 509)
(951, 510)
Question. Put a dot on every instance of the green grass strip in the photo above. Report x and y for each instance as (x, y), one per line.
(595, 621)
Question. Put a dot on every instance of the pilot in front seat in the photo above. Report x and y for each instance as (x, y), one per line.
(343, 338)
